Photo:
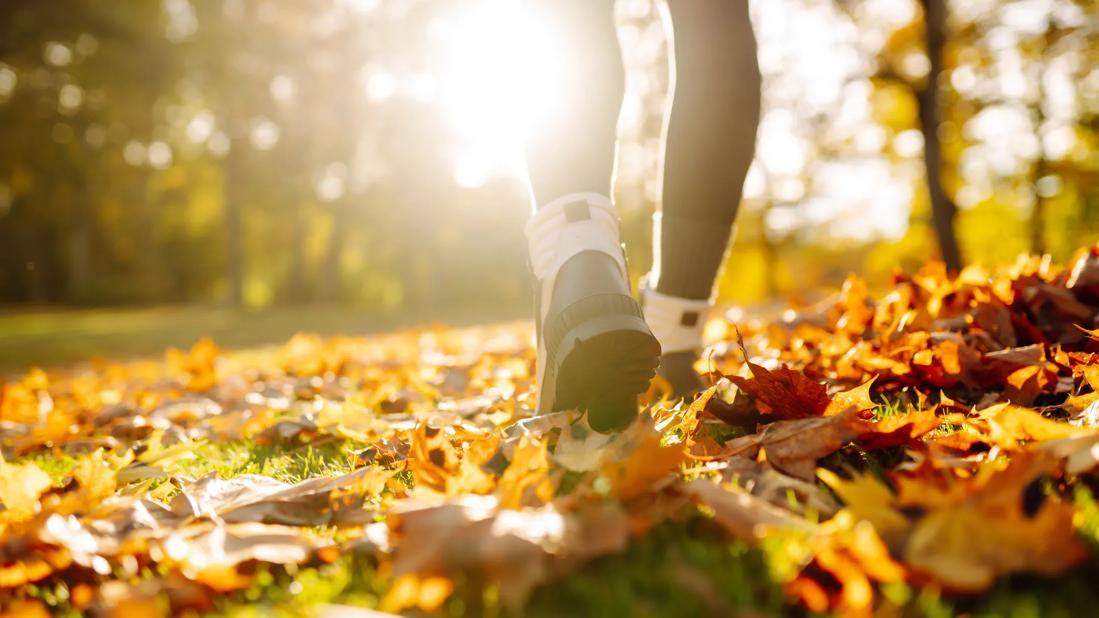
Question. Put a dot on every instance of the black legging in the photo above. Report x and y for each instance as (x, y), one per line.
(709, 135)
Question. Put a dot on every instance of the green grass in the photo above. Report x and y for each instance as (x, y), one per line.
(687, 567)
(284, 462)
(680, 568)
(56, 337)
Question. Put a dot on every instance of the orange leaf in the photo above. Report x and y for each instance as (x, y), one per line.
(858, 398)
(646, 464)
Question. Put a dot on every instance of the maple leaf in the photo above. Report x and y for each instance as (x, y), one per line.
(783, 393)
(898, 429)
(440, 466)
(858, 398)
(795, 446)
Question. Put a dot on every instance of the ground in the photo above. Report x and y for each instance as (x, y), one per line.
(928, 451)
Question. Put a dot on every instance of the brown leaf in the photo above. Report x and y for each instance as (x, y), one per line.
(313, 502)
(515, 549)
(210, 552)
(742, 514)
(795, 446)
(763, 481)
(785, 393)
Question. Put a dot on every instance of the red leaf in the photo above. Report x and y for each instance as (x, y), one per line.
(784, 393)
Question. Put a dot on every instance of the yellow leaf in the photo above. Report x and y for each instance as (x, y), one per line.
(869, 500)
(1007, 425)
(96, 478)
(410, 590)
(20, 487)
(646, 464)
(528, 470)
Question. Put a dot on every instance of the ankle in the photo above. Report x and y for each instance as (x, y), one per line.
(568, 226)
(677, 322)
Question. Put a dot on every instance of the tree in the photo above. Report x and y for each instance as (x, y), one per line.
(943, 209)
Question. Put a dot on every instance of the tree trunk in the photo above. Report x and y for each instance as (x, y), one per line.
(943, 210)
(1041, 166)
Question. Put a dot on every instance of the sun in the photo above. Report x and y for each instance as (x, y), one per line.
(497, 71)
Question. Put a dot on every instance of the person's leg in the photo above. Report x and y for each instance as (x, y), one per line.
(709, 143)
(595, 351)
(573, 150)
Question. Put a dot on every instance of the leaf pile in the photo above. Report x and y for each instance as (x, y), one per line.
(934, 437)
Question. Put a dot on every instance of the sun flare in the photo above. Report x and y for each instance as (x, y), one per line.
(498, 70)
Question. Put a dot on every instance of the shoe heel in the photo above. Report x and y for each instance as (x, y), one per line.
(603, 356)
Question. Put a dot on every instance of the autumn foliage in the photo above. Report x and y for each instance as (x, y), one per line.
(976, 395)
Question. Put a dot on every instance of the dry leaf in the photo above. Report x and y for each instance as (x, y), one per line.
(20, 487)
(742, 514)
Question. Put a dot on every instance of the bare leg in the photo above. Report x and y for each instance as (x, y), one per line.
(710, 141)
(575, 151)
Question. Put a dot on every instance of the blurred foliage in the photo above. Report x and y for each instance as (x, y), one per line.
(256, 152)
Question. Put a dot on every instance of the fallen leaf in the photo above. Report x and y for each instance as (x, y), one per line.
(20, 487)
(526, 480)
(857, 398)
(784, 393)
(640, 461)
(795, 446)
(742, 514)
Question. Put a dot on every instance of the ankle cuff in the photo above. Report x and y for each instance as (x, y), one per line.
(569, 225)
(677, 322)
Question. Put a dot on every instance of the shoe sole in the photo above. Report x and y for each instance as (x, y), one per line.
(602, 365)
